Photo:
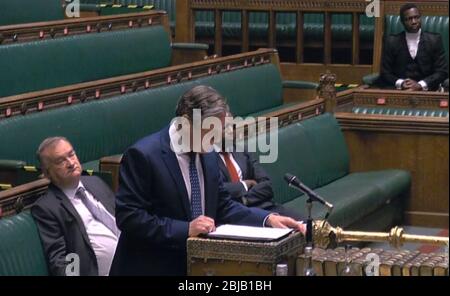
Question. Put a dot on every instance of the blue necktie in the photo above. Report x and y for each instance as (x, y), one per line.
(98, 213)
(196, 199)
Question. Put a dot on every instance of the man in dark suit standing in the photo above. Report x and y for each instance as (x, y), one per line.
(75, 218)
(171, 190)
(413, 60)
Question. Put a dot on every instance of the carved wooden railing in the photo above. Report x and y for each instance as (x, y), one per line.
(75, 26)
(39, 101)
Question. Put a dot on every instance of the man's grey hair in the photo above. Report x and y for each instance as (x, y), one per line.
(202, 97)
(48, 142)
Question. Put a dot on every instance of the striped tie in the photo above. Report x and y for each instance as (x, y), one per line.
(98, 213)
(196, 199)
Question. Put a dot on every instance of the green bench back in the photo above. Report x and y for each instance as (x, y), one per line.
(314, 150)
(109, 126)
(74, 59)
(28, 11)
(433, 24)
(21, 250)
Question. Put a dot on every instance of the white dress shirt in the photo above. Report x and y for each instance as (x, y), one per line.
(102, 239)
(183, 162)
(412, 40)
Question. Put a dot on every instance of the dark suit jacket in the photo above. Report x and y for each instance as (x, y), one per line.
(153, 210)
(61, 229)
(259, 195)
(430, 58)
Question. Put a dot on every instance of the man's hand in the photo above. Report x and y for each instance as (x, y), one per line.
(411, 85)
(250, 183)
(277, 221)
(201, 225)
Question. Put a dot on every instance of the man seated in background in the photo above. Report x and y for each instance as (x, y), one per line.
(247, 181)
(75, 217)
(413, 60)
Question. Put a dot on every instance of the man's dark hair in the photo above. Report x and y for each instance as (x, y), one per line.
(405, 7)
(202, 97)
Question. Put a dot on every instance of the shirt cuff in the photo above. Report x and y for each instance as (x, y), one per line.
(265, 219)
(245, 185)
(398, 83)
(423, 84)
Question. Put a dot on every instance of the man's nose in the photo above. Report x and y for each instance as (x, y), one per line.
(70, 162)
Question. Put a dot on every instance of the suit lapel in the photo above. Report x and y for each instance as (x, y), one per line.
(242, 163)
(404, 46)
(209, 164)
(421, 45)
(171, 161)
(224, 169)
(71, 210)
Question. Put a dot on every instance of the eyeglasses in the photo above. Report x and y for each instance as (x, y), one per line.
(64, 160)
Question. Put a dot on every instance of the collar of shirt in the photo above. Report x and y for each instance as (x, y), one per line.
(175, 138)
(413, 36)
(70, 192)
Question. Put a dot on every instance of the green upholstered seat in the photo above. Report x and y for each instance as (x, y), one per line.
(400, 111)
(315, 151)
(21, 250)
(109, 126)
(26, 11)
(57, 62)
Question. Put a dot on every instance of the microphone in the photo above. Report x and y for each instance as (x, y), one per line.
(295, 183)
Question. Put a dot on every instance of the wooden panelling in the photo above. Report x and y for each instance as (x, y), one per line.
(425, 156)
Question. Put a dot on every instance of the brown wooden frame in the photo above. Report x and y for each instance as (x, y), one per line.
(22, 197)
(417, 144)
(75, 26)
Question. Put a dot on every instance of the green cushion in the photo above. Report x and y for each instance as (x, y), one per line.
(330, 150)
(315, 151)
(21, 251)
(356, 195)
(26, 11)
(79, 58)
(295, 156)
(400, 111)
(109, 126)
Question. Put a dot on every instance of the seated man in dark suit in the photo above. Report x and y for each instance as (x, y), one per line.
(413, 60)
(170, 189)
(75, 218)
(246, 180)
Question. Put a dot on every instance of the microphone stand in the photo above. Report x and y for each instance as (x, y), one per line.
(308, 250)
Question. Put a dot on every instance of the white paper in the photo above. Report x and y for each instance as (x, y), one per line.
(249, 232)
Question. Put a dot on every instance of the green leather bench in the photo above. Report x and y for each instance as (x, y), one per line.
(21, 251)
(50, 63)
(26, 11)
(433, 24)
(74, 59)
(107, 127)
(315, 151)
